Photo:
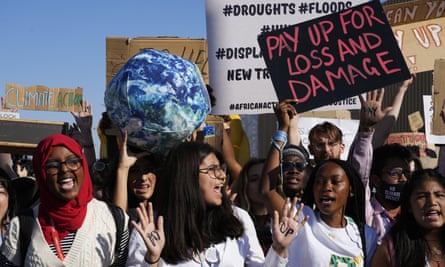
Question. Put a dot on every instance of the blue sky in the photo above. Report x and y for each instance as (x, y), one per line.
(60, 43)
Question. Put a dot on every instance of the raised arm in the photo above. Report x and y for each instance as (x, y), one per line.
(120, 197)
(229, 156)
(383, 127)
(361, 150)
(360, 153)
(84, 122)
(152, 233)
(284, 111)
(293, 134)
(285, 228)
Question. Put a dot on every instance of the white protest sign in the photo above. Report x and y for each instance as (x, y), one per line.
(237, 71)
(9, 115)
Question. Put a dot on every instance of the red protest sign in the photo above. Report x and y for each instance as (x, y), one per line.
(333, 57)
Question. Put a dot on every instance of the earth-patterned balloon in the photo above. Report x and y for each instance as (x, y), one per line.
(158, 98)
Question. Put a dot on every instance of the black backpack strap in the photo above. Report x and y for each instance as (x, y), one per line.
(120, 256)
(26, 224)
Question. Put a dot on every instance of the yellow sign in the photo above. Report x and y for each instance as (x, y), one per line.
(415, 121)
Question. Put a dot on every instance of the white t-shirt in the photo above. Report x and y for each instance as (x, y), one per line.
(234, 252)
(318, 244)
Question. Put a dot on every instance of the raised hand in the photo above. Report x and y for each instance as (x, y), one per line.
(286, 228)
(153, 235)
(371, 111)
(4, 109)
(284, 112)
(125, 160)
(84, 118)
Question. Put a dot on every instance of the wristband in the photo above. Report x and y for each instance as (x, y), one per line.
(279, 136)
(277, 146)
(152, 262)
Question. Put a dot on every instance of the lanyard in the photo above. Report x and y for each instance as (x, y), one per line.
(55, 237)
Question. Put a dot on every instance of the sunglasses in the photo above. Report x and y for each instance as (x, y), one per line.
(291, 165)
(397, 173)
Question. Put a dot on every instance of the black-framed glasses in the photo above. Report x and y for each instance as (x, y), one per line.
(52, 167)
(396, 174)
(215, 171)
(290, 165)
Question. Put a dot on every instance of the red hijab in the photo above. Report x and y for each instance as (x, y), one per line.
(66, 216)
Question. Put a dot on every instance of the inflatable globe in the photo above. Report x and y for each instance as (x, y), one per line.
(158, 98)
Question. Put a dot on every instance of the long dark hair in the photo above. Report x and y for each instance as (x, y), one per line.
(190, 225)
(355, 207)
(410, 246)
(149, 163)
(242, 200)
(12, 204)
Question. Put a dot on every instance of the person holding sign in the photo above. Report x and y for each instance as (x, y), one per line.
(286, 163)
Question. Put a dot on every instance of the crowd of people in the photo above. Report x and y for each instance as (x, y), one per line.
(198, 206)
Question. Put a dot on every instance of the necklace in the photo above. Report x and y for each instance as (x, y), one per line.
(210, 255)
(436, 251)
(436, 255)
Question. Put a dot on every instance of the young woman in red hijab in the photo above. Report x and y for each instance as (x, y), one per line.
(71, 227)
